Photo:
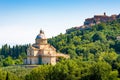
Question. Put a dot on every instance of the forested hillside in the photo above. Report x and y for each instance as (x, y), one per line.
(90, 42)
(12, 55)
(95, 55)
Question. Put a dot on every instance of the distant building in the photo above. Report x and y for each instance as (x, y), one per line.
(100, 18)
(41, 52)
(118, 37)
(97, 19)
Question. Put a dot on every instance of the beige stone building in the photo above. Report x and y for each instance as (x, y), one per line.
(41, 52)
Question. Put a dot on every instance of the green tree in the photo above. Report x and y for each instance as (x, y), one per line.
(2, 75)
(8, 61)
(100, 71)
(40, 73)
(113, 75)
(98, 36)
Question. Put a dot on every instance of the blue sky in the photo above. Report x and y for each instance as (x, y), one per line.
(21, 20)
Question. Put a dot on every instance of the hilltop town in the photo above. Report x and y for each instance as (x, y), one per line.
(97, 19)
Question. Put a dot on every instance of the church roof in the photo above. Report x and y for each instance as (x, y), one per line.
(38, 37)
(41, 35)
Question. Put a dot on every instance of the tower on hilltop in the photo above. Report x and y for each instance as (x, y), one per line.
(104, 13)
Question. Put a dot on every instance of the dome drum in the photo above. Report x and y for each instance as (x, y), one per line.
(41, 41)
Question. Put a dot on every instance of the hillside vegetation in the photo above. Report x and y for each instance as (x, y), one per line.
(12, 55)
(89, 42)
(94, 56)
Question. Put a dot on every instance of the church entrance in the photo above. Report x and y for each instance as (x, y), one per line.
(40, 60)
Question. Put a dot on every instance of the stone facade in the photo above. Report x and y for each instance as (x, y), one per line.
(41, 52)
(118, 37)
(99, 18)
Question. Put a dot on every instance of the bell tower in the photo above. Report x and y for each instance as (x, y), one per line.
(104, 14)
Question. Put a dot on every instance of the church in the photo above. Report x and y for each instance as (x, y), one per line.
(41, 52)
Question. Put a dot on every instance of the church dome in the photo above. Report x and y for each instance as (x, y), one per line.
(41, 35)
(38, 37)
